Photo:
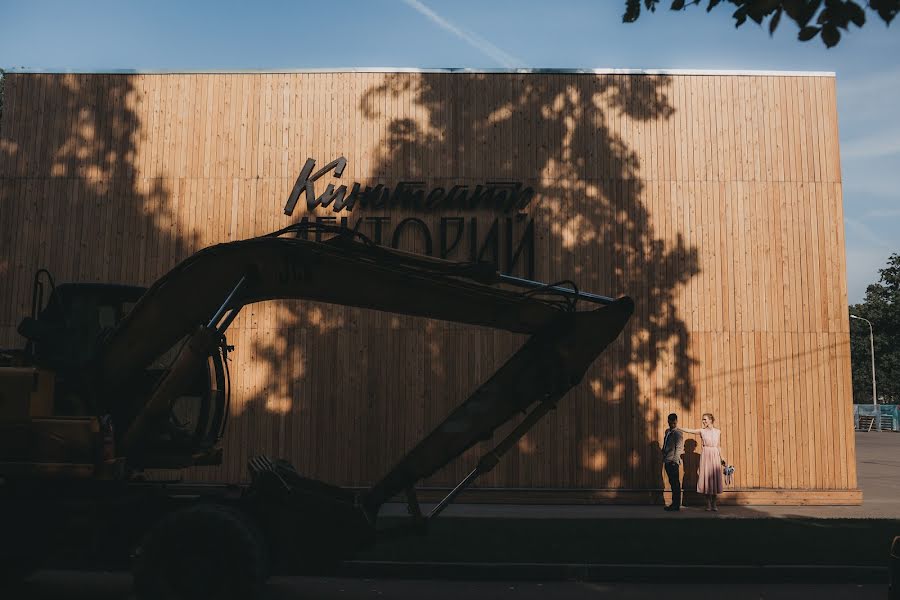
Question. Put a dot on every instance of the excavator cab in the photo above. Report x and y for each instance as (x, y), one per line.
(64, 334)
(48, 406)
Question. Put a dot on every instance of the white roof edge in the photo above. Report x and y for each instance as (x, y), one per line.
(709, 72)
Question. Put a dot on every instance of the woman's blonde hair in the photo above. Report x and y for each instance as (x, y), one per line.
(712, 419)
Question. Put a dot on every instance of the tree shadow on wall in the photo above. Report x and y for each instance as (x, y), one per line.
(593, 225)
(383, 381)
(74, 201)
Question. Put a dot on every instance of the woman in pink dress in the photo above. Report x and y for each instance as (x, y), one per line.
(709, 479)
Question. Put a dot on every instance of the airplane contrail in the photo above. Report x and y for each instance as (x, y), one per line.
(480, 44)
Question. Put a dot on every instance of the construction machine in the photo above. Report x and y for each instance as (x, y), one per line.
(117, 381)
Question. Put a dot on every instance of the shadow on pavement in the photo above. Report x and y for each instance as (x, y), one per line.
(106, 586)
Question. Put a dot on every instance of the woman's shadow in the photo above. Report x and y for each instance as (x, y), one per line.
(691, 462)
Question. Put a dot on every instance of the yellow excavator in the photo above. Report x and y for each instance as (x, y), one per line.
(115, 380)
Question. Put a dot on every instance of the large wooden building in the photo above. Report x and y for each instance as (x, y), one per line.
(711, 198)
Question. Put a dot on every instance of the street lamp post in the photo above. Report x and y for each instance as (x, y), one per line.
(872, 348)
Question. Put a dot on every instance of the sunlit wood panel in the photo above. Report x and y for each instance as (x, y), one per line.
(713, 200)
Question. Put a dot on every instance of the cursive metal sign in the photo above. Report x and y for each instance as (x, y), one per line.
(497, 196)
(507, 241)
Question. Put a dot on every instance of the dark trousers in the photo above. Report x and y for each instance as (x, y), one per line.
(674, 483)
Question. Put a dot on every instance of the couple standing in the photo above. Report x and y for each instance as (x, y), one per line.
(710, 477)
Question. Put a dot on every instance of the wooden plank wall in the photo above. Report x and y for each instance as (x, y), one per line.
(714, 201)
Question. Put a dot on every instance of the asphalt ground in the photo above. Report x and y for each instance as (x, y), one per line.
(559, 542)
(503, 551)
(878, 467)
(635, 541)
(93, 586)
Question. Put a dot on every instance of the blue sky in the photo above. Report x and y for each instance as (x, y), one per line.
(201, 35)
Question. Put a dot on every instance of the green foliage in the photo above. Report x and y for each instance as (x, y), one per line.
(815, 18)
(882, 308)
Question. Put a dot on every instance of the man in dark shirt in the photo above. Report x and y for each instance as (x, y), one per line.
(672, 449)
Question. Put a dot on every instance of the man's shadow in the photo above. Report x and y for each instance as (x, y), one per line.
(691, 462)
(658, 485)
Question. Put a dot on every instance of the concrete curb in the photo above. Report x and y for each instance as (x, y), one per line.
(616, 573)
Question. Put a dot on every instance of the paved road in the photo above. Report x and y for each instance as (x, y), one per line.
(75, 586)
(878, 466)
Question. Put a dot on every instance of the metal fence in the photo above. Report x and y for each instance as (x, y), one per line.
(889, 416)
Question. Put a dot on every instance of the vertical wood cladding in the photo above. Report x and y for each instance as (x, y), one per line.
(714, 201)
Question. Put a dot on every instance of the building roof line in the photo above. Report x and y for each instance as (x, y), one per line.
(700, 72)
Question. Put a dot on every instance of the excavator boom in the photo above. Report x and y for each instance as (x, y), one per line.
(213, 284)
(189, 309)
(339, 271)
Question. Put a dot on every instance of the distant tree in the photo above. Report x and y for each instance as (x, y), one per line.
(824, 18)
(882, 308)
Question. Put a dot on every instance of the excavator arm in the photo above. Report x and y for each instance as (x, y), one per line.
(201, 296)
(535, 377)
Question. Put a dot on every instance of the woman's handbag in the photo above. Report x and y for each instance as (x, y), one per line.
(729, 474)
